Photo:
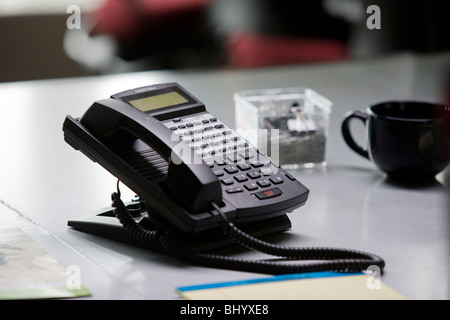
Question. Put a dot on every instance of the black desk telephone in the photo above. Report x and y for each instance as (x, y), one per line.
(194, 176)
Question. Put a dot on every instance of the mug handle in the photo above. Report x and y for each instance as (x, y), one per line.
(346, 133)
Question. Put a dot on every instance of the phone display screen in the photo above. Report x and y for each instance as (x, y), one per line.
(158, 101)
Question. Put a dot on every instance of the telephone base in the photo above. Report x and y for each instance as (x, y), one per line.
(103, 223)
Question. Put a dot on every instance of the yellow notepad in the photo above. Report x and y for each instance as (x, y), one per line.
(305, 286)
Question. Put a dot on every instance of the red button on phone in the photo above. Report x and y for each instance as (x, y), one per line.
(267, 194)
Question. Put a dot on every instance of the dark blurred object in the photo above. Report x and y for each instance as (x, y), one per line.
(447, 89)
(162, 30)
(201, 33)
(198, 33)
(262, 33)
(419, 26)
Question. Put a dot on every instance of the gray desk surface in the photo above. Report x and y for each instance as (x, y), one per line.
(351, 204)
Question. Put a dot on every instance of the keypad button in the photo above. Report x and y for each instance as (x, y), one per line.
(231, 169)
(251, 186)
(247, 155)
(234, 190)
(254, 175)
(227, 181)
(267, 194)
(263, 183)
(209, 162)
(276, 180)
(266, 171)
(243, 167)
(218, 173)
(233, 158)
(290, 177)
(257, 164)
(241, 178)
(220, 162)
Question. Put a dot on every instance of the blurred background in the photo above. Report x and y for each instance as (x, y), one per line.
(42, 39)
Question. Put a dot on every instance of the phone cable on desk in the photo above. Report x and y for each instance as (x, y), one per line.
(331, 259)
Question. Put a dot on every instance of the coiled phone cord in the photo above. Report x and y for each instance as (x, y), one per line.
(339, 260)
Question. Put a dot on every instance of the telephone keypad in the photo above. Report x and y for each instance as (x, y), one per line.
(240, 167)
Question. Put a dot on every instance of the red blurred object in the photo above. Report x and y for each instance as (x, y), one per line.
(143, 27)
(248, 50)
(125, 20)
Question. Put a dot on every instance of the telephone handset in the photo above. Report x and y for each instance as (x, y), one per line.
(194, 175)
(115, 122)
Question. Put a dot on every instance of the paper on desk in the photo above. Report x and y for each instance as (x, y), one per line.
(305, 286)
(27, 271)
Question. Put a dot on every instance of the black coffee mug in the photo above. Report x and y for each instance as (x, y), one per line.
(407, 140)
